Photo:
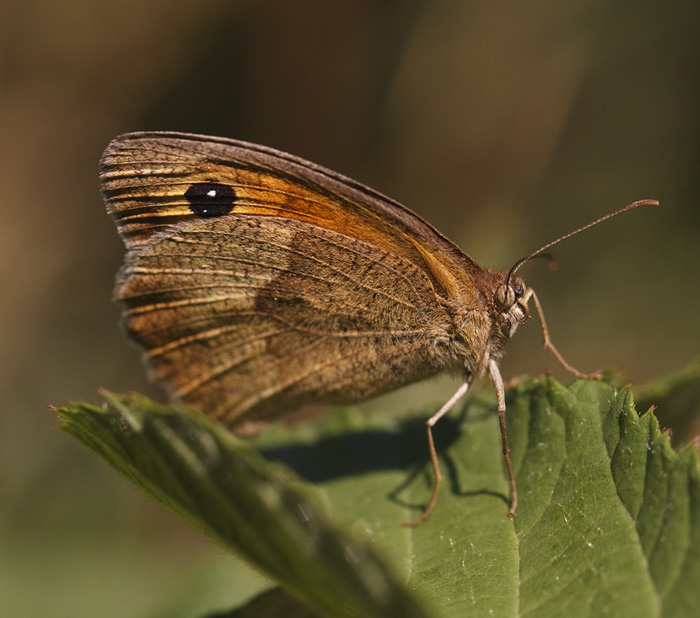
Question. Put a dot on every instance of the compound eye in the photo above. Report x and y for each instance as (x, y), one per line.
(506, 296)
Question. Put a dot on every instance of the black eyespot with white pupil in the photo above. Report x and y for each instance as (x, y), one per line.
(210, 199)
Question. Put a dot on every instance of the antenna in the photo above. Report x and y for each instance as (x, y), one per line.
(537, 253)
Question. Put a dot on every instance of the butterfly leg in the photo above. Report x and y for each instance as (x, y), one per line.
(461, 391)
(501, 398)
(550, 346)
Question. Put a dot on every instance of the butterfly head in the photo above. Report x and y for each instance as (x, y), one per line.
(510, 299)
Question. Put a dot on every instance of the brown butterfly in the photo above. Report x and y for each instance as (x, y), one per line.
(257, 281)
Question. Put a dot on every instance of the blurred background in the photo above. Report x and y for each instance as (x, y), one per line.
(505, 124)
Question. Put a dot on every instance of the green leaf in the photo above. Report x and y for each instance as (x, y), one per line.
(250, 506)
(608, 521)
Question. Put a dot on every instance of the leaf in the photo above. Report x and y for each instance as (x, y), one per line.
(250, 506)
(608, 521)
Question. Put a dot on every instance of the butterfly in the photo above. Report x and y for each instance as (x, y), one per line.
(256, 281)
